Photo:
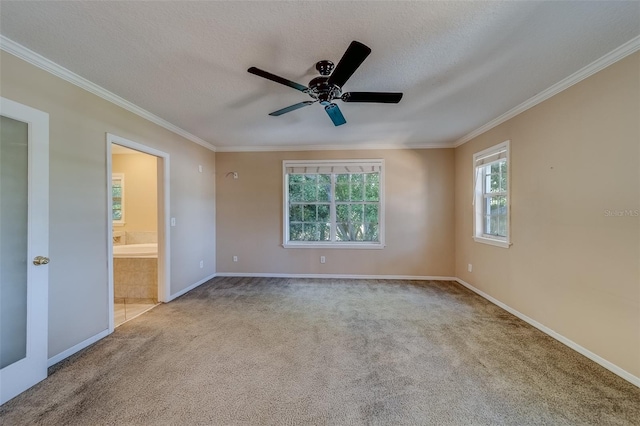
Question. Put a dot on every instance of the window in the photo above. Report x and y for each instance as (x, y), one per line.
(491, 196)
(117, 198)
(334, 203)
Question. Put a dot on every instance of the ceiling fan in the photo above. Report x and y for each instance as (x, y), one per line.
(328, 87)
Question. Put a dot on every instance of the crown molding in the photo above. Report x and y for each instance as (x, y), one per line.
(51, 67)
(610, 58)
(363, 147)
(45, 64)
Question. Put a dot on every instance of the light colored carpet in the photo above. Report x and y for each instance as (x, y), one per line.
(339, 352)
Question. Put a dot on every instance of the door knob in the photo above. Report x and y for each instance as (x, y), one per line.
(40, 260)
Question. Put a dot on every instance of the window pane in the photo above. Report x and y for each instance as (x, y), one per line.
(295, 213)
(295, 192)
(495, 182)
(372, 187)
(324, 232)
(371, 213)
(356, 213)
(486, 205)
(370, 232)
(310, 179)
(342, 212)
(309, 213)
(493, 225)
(295, 178)
(324, 192)
(342, 191)
(295, 232)
(503, 176)
(357, 187)
(501, 230)
(117, 215)
(323, 213)
(358, 231)
(343, 232)
(342, 178)
(309, 232)
(324, 179)
(309, 192)
(493, 205)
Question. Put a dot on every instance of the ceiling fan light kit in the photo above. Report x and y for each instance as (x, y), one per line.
(328, 86)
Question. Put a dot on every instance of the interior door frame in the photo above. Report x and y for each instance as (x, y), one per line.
(33, 368)
(164, 253)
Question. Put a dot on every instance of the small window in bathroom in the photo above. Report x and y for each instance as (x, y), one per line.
(117, 198)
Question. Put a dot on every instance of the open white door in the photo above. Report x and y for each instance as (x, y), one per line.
(24, 247)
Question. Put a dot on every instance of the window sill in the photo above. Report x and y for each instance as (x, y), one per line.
(492, 242)
(366, 246)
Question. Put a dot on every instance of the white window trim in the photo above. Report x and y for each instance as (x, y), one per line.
(478, 235)
(333, 245)
(119, 176)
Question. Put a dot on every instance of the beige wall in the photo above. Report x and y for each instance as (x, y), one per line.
(140, 191)
(571, 267)
(78, 215)
(419, 216)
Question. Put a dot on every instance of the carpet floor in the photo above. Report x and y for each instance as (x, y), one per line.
(327, 352)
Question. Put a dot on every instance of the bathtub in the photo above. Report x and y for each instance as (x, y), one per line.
(144, 251)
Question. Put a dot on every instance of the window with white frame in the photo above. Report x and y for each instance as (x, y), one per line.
(491, 195)
(117, 198)
(334, 203)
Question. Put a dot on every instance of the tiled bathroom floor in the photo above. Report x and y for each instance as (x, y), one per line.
(125, 312)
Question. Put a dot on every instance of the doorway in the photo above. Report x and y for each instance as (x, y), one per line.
(138, 200)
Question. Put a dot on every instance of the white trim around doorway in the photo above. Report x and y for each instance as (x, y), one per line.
(164, 252)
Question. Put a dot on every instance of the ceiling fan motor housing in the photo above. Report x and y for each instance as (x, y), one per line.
(320, 90)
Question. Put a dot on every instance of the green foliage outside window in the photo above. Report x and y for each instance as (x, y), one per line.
(495, 199)
(116, 193)
(356, 203)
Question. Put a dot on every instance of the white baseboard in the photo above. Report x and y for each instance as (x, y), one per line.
(191, 287)
(76, 348)
(72, 350)
(337, 276)
(559, 337)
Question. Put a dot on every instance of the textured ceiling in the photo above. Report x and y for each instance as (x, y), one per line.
(460, 64)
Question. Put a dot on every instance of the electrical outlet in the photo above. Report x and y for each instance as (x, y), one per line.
(200, 168)
(235, 258)
(202, 264)
(323, 259)
(470, 267)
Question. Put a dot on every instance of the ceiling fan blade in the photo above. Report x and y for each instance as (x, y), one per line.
(356, 54)
(277, 79)
(335, 114)
(291, 108)
(379, 97)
